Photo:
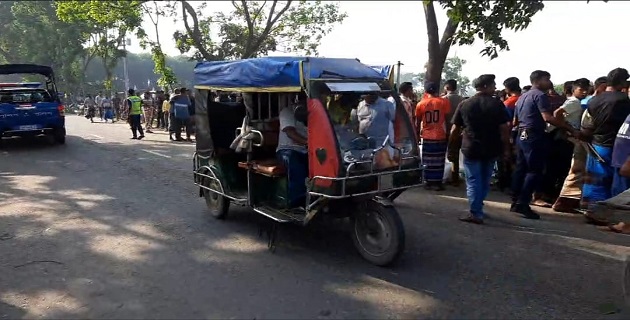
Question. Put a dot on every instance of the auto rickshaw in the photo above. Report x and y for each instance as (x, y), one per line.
(349, 175)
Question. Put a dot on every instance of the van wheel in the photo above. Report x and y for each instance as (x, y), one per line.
(218, 204)
(378, 234)
(60, 136)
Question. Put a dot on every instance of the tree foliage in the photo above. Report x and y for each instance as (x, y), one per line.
(154, 12)
(473, 20)
(452, 70)
(256, 28)
(109, 24)
(143, 68)
(32, 33)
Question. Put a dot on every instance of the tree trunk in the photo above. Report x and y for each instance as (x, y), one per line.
(438, 48)
(193, 32)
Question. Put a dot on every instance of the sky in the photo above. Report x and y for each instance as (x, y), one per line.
(570, 39)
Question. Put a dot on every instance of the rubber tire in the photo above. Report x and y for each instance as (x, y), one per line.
(392, 219)
(60, 136)
(219, 207)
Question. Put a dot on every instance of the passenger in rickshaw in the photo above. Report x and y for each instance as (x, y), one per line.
(375, 120)
(339, 108)
(292, 152)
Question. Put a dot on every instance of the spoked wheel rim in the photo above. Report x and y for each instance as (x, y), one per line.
(373, 233)
(212, 198)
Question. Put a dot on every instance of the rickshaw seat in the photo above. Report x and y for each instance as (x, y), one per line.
(269, 167)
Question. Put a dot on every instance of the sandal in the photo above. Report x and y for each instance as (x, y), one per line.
(541, 203)
(620, 227)
(470, 219)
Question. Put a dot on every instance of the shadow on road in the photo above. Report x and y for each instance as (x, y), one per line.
(89, 230)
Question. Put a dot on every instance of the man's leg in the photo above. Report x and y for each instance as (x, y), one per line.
(534, 152)
(455, 179)
(296, 167)
(487, 168)
(133, 120)
(149, 120)
(159, 120)
(619, 184)
(518, 177)
(455, 154)
(189, 127)
(177, 128)
(474, 187)
(140, 128)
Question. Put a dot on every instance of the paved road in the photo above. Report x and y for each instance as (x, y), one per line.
(107, 227)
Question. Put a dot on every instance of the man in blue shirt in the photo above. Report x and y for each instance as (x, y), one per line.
(533, 111)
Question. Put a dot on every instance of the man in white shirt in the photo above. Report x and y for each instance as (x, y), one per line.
(292, 152)
(97, 100)
(89, 107)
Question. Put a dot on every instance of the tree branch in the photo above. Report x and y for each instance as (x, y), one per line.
(259, 11)
(271, 21)
(194, 33)
(250, 24)
(447, 37)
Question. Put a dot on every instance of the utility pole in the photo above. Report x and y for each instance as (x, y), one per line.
(398, 75)
(126, 74)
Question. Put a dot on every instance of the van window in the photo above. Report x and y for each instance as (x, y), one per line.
(25, 96)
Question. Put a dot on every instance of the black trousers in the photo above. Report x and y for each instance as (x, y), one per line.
(177, 126)
(557, 166)
(160, 119)
(136, 126)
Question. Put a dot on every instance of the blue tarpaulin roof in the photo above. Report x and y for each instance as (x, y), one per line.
(384, 71)
(277, 73)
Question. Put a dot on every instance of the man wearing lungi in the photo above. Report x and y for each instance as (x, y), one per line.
(532, 113)
(606, 211)
(454, 99)
(571, 111)
(608, 111)
(431, 114)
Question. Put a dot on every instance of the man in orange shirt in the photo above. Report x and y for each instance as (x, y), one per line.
(431, 114)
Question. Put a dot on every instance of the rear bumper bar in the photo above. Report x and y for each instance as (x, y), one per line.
(17, 133)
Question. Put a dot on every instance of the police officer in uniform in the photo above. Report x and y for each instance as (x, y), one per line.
(135, 110)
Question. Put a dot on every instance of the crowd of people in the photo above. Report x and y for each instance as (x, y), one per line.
(172, 113)
(569, 151)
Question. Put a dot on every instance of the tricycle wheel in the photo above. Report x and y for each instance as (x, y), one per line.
(218, 204)
(378, 234)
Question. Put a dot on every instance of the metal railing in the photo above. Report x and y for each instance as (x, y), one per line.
(198, 170)
(379, 175)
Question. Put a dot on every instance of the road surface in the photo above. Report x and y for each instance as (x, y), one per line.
(108, 227)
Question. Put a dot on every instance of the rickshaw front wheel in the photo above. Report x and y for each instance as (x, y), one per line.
(218, 204)
(378, 234)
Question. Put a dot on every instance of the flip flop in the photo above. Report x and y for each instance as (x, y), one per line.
(616, 228)
(541, 203)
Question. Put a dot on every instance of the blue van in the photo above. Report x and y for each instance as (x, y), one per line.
(31, 109)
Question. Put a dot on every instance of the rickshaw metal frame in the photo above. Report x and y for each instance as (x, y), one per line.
(324, 198)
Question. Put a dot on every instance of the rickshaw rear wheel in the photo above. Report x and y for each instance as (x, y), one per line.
(378, 234)
(218, 205)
